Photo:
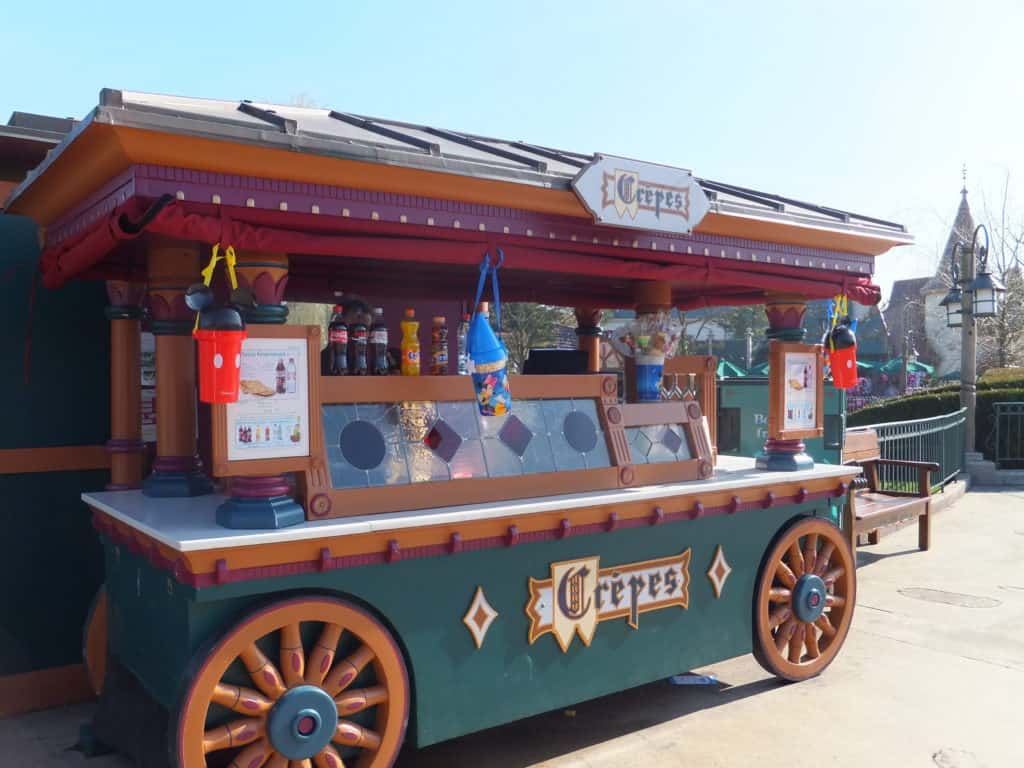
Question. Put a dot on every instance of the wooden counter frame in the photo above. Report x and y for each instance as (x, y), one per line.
(224, 467)
(323, 501)
(777, 390)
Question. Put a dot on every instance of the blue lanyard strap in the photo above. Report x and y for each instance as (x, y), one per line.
(485, 265)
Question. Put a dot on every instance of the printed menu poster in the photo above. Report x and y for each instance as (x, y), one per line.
(271, 418)
(801, 391)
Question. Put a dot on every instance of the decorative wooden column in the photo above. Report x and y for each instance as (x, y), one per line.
(785, 323)
(588, 336)
(125, 444)
(262, 502)
(173, 266)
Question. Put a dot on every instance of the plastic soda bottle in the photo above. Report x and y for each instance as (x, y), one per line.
(410, 344)
(379, 343)
(337, 338)
(439, 347)
(359, 334)
(461, 336)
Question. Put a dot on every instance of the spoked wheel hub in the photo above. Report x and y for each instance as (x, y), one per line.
(804, 602)
(301, 683)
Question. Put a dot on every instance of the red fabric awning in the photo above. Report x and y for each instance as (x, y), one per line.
(697, 280)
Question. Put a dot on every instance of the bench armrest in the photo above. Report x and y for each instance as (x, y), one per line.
(924, 471)
(931, 466)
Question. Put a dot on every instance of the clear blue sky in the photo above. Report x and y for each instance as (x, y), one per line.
(869, 106)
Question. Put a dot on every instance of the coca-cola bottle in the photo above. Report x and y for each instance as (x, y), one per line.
(360, 336)
(379, 343)
(337, 336)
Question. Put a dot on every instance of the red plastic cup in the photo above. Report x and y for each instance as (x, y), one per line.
(220, 364)
(844, 367)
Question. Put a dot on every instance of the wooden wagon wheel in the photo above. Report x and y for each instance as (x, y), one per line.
(94, 641)
(804, 601)
(303, 682)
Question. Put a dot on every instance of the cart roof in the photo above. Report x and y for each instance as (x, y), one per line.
(131, 130)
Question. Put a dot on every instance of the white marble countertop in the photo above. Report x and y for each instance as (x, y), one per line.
(189, 524)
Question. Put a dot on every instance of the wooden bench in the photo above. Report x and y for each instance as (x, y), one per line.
(870, 507)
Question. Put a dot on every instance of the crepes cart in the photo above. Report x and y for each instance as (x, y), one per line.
(333, 566)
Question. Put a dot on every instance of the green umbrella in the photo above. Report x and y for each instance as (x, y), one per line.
(896, 365)
(729, 370)
(759, 370)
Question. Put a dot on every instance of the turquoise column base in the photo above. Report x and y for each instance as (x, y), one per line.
(783, 462)
(267, 512)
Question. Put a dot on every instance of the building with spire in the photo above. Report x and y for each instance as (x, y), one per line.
(944, 341)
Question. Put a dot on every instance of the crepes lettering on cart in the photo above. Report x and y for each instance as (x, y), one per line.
(580, 594)
(629, 194)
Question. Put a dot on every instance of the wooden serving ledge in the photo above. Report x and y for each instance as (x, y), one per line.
(182, 535)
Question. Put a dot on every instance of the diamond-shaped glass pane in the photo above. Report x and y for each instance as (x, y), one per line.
(643, 443)
(443, 440)
(515, 435)
(671, 440)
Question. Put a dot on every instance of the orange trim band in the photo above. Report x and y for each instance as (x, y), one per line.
(691, 505)
(43, 689)
(64, 458)
(103, 151)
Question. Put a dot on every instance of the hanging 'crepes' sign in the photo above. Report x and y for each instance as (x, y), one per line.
(628, 193)
(580, 594)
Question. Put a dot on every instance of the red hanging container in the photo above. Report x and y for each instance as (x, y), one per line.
(842, 357)
(219, 332)
(220, 364)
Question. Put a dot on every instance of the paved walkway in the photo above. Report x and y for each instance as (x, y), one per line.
(932, 674)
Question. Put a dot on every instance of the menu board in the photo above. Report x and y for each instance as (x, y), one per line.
(271, 418)
(800, 393)
(795, 390)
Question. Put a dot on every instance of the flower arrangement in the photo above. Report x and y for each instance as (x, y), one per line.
(650, 335)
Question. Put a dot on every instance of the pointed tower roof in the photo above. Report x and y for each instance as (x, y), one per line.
(962, 229)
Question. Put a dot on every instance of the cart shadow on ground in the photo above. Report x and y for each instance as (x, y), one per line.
(561, 732)
(870, 558)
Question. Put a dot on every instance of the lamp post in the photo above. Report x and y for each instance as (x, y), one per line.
(909, 352)
(972, 295)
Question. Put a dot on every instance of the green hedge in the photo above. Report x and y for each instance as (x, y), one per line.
(943, 400)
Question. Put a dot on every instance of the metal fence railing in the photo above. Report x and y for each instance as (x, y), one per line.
(1009, 452)
(939, 439)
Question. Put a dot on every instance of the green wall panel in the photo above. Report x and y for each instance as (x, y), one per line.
(51, 568)
(52, 564)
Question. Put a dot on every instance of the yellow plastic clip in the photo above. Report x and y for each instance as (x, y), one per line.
(230, 260)
(208, 270)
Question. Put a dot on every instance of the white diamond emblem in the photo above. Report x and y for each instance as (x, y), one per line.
(719, 571)
(479, 617)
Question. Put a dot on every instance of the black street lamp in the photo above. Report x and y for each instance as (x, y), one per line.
(968, 299)
(982, 293)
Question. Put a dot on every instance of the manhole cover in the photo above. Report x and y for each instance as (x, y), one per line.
(949, 598)
(955, 758)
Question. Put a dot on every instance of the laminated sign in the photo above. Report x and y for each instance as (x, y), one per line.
(629, 193)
